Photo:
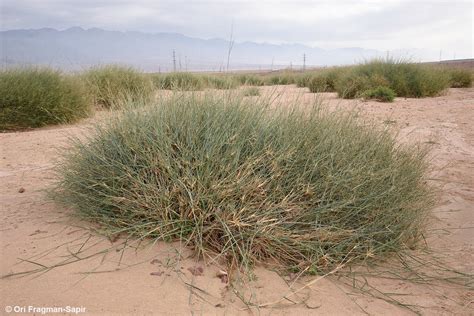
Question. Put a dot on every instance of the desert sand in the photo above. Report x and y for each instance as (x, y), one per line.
(120, 277)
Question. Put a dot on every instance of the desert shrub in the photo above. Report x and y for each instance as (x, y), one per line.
(35, 97)
(378, 80)
(272, 80)
(381, 93)
(111, 84)
(250, 80)
(251, 92)
(221, 82)
(404, 78)
(428, 82)
(332, 75)
(322, 80)
(233, 179)
(351, 85)
(317, 83)
(284, 78)
(302, 80)
(179, 81)
(460, 78)
(287, 78)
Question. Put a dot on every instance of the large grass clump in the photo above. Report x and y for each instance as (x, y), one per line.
(404, 78)
(111, 84)
(236, 178)
(35, 97)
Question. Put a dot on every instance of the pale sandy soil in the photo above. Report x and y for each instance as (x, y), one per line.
(120, 282)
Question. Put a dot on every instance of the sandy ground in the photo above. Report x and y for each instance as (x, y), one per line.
(109, 277)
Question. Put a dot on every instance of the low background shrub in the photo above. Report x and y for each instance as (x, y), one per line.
(221, 82)
(178, 81)
(405, 79)
(250, 80)
(460, 78)
(351, 85)
(111, 84)
(381, 93)
(35, 97)
(317, 83)
(251, 92)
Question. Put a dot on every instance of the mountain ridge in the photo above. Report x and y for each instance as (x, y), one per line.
(76, 47)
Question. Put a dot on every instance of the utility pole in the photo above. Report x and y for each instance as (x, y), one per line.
(304, 61)
(174, 61)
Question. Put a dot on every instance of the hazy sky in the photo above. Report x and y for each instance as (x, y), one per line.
(435, 25)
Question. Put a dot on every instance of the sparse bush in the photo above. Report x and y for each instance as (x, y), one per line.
(381, 94)
(251, 92)
(460, 78)
(35, 97)
(111, 84)
(306, 189)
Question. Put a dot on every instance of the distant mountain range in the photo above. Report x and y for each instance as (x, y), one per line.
(77, 48)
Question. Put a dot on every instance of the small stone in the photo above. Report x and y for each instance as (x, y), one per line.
(196, 271)
(223, 276)
(158, 273)
(21, 190)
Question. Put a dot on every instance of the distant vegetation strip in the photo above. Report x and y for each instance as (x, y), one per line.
(37, 96)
